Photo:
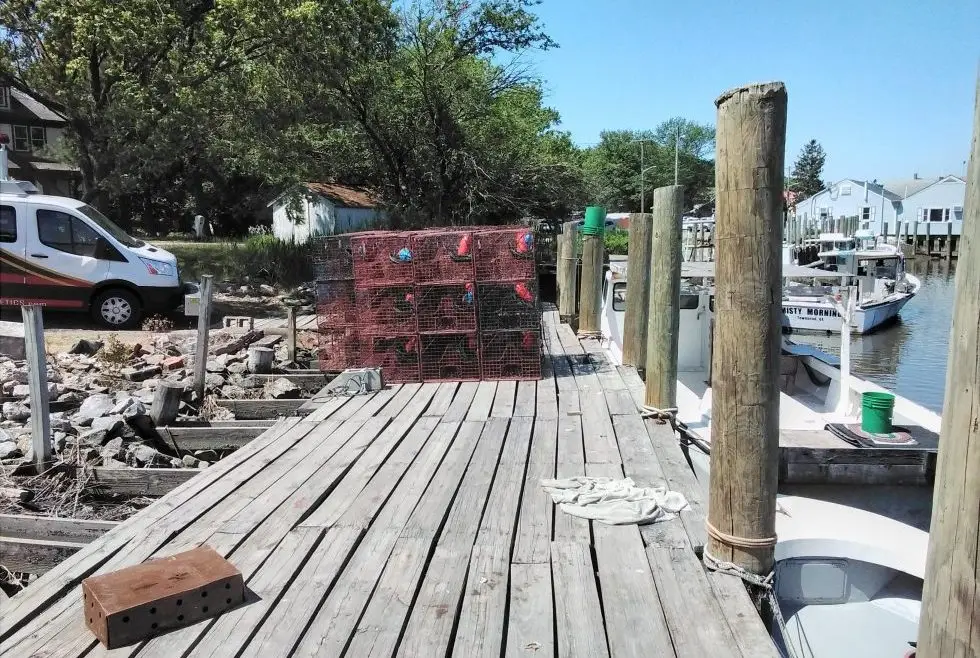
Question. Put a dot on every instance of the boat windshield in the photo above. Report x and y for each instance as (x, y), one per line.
(109, 226)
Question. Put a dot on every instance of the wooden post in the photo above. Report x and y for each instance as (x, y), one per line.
(260, 360)
(589, 302)
(637, 290)
(948, 245)
(950, 606)
(915, 237)
(166, 402)
(750, 153)
(37, 382)
(567, 271)
(203, 325)
(291, 334)
(898, 230)
(664, 298)
(928, 248)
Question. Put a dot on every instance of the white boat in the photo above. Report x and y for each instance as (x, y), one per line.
(877, 271)
(842, 571)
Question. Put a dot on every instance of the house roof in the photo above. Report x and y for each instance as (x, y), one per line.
(35, 107)
(344, 195)
(906, 187)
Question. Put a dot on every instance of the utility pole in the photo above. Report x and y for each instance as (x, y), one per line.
(745, 360)
(643, 171)
(950, 607)
(677, 156)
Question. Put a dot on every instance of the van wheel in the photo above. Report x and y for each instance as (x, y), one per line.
(116, 309)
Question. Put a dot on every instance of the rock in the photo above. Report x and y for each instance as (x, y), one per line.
(54, 390)
(203, 464)
(144, 395)
(267, 290)
(54, 376)
(90, 455)
(86, 347)
(232, 392)
(71, 397)
(129, 408)
(140, 374)
(250, 382)
(16, 411)
(282, 389)
(206, 455)
(98, 390)
(110, 424)
(21, 391)
(236, 368)
(114, 463)
(60, 424)
(214, 366)
(173, 363)
(176, 463)
(9, 450)
(58, 441)
(190, 461)
(94, 406)
(140, 454)
(214, 380)
(154, 359)
(114, 449)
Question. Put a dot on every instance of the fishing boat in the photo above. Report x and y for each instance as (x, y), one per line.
(876, 271)
(845, 568)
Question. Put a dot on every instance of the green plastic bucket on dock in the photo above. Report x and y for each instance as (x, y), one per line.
(595, 220)
(876, 412)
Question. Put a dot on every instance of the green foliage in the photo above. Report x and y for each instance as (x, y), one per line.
(616, 241)
(805, 178)
(260, 259)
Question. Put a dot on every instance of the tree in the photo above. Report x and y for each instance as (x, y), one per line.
(805, 178)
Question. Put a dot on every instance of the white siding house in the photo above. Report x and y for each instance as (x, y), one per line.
(323, 209)
(879, 205)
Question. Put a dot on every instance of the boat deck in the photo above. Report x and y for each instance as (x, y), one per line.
(411, 522)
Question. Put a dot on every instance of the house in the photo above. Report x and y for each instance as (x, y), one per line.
(323, 209)
(34, 131)
(936, 201)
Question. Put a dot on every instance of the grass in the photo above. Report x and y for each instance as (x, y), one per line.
(259, 259)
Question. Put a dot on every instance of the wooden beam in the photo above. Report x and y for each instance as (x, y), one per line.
(638, 290)
(950, 597)
(209, 438)
(37, 380)
(139, 481)
(306, 380)
(263, 409)
(663, 318)
(745, 395)
(34, 556)
(52, 528)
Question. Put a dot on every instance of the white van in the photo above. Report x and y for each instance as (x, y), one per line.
(62, 253)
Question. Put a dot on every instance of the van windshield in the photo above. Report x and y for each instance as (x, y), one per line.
(109, 226)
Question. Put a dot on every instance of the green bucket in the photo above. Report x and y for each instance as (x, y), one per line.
(876, 412)
(595, 220)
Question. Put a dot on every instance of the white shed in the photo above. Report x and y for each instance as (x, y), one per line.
(324, 209)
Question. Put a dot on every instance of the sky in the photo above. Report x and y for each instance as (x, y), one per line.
(886, 86)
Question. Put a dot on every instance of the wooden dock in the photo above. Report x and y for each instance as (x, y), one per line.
(411, 522)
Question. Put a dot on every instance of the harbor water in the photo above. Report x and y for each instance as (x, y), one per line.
(909, 356)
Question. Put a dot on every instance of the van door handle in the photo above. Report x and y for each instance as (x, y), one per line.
(39, 255)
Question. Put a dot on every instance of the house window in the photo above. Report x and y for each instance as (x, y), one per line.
(867, 213)
(38, 138)
(63, 232)
(22, 138)
(4, 98)
(934, 214)
(824, 214)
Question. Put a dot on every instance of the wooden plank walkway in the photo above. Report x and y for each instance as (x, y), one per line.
(411, 522)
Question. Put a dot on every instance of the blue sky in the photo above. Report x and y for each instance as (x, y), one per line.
(886, 86)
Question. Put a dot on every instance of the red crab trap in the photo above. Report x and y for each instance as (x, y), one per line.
(511, 354)
(339, 349)
(385, 310)
(443, 256)
(447, 307)
(450, 357)
(383, 258)
(332, 258)
(335, 304)
(397, 356)
(505, 254)
(508, 305)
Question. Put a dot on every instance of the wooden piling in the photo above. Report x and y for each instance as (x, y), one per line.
(915, 237)
(291, 334)
(203, 326)
(948, 625)
(898, 229)
(37, 383)
(751, 141)
(637, 290)
(664, 298)
(948, 245)
(928, 248)
(589, 299)
(567, 272)
(166, 403)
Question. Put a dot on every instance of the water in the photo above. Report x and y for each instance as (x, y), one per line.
(908, 357)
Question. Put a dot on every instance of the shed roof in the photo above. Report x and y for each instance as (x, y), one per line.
(344, 195)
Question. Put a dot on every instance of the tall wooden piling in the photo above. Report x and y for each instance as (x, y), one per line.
(567, 271)
(750, 154)
(37, 383)
(589, 300)
(203, 326)
(664, 298)
(948, 244)
(637, 290)
(948, 625)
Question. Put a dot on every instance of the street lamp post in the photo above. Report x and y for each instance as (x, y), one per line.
(643, 170)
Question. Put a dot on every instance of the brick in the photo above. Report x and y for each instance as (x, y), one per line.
(173, 363)
(138, 602)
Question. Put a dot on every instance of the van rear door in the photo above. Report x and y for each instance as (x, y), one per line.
(63, 270)
(13, 240)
